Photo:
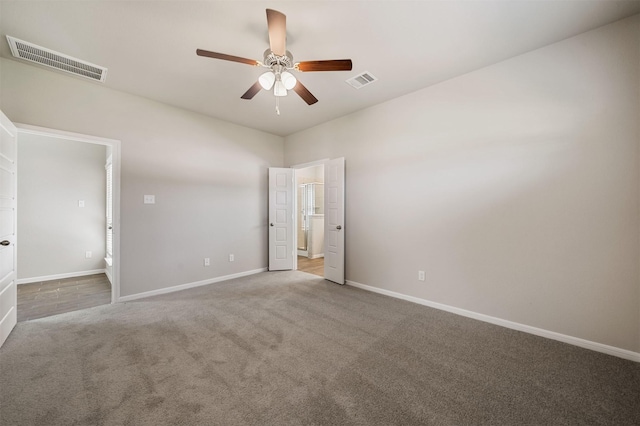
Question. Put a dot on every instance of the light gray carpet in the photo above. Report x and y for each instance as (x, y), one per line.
(288, 348)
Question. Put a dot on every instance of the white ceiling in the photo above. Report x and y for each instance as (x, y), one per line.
(149, 46)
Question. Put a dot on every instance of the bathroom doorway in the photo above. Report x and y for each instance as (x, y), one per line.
(310, 219)
(284, 212)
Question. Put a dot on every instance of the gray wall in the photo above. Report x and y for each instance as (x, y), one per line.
(515, 187)
(209, 177)
(54, 233)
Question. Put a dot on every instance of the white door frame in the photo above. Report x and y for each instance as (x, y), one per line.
(295, 202)
(116, 158)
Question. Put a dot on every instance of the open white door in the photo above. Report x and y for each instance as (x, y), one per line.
(281, 224)
(8, 293)
(334, 220)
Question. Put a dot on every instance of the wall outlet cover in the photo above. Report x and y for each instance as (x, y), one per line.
(149, 199)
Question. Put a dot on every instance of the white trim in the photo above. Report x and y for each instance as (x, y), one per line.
(116, 155)
(310, 164)
(62, 134)
(316, 256)
(189, 285)
(59, 276)
(576, 341)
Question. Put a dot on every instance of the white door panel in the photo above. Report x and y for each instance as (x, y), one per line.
(334, 221)
(8, 302)
(6, 264)
(281, 225)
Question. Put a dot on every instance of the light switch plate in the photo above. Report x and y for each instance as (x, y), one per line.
(80, 203)
(149, 199)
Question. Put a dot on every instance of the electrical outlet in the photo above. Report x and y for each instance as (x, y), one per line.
(149, 199)
(80, 203)
(421, 276)
(87, 254)
(207, 261)
(231, 258)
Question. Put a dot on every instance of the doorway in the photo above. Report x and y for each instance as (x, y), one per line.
(283, 212)
(109, 218)
(310, 219)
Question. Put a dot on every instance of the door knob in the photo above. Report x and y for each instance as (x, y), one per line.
(5, 243)
(338, 227)
(271, 224)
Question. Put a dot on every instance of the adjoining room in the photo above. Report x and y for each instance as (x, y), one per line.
(64, 224)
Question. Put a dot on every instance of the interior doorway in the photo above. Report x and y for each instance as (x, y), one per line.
(110, 214)
(283, 212)
(309, 218)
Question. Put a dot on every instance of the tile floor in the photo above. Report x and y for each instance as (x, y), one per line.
(43, 299)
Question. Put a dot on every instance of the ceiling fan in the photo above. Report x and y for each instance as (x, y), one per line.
(279, 61)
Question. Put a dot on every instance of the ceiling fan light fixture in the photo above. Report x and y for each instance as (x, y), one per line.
(279, 61)
(288, 80)
(266, 80)
(279, 89)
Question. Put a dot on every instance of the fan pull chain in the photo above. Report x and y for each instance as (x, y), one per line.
(277, 105)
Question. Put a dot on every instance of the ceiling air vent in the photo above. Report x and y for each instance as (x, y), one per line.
(362, 80)
(43, 56)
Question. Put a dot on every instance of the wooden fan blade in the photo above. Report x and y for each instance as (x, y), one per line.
(253, 90)
(277, 24)
(304, 93)
(225, 57)
(331, 65)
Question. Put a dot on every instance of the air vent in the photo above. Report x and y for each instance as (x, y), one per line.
(362, 80)
(43, 56)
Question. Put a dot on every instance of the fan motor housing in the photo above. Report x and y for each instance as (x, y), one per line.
(271, 59)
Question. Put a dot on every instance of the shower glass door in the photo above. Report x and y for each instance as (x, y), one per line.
(303, 226)
(310, 202)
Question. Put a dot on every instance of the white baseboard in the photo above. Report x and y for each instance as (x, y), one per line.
(59, 276)
(188, 285)
(316, 256)
(576, 341)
